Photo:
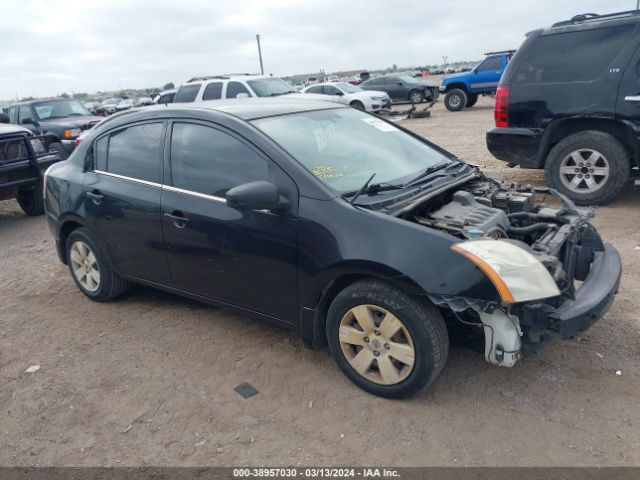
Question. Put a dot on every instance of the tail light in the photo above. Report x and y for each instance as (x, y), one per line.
(501, 111)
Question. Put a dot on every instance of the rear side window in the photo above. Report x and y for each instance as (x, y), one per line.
(234, 88)
(575, 56)
(187, 93)
(213, 91)
(316, 89)
(206, 160)
(167, 98)
(135, 152)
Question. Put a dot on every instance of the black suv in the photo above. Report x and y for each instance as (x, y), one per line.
(569, 102)
(23, 160)
(60, 120)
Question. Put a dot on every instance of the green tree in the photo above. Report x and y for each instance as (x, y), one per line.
(168, 86)
(64, 95)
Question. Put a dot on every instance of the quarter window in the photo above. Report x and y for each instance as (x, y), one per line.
(574, 56)
(135, 152)
(235, 88)
(213, 91)
(316, 89)
(331, 90)
(100, 153)
(206, 160)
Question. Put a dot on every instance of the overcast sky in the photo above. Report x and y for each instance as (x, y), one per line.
(55, 46)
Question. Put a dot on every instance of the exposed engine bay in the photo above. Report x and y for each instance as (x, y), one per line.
(559, 237)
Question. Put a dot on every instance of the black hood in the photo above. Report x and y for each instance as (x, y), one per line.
(82, 122)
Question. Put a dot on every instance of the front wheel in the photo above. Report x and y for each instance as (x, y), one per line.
(416, 96)
(357, 104)
(59, 148)
(385, 341)
(31, 199)
(590, 167)
(455, 100)
(472, 100)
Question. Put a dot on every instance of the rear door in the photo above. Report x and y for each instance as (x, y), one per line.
(242, 257)
(122, 199)
(628, 101)
(573, 72)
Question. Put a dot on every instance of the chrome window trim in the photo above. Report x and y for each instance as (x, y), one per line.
(194, 194)
(131, 179)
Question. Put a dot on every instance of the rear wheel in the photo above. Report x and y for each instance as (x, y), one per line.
(357, 104)
(472, 100)
(416, 96)
(31, 199)
(455, 100)
(90, 269)
(385, 341)
(590, 167)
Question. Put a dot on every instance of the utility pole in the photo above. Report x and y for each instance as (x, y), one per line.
(260, 54)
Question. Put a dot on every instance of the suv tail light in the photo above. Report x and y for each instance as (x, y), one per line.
(501, 111)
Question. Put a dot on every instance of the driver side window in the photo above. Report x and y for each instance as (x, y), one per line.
(209, 161)
(331, 90)
(490, 64)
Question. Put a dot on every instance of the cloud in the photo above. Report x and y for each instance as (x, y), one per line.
(64, 46)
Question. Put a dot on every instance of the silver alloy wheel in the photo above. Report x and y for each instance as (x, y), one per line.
(377, 344)
(584, 171)
(455, 101)
(416, 97)
(84, 266)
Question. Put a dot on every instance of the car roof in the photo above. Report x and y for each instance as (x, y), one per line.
(229, 76)
(257, 107)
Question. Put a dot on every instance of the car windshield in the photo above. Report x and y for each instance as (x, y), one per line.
(59, 109)
(270, 87)
(343, 147)
(348, 88)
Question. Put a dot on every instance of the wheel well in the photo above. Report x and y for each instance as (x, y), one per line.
(461, 86)
(621, 132)
(65, 231)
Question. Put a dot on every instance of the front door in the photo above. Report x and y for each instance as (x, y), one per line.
(485, 77)
(122, 200)
(245, 258)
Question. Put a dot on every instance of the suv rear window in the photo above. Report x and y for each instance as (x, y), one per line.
(574, 56)
(187, 93)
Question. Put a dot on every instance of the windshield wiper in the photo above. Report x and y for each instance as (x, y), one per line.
(426, 173)
(371, 188)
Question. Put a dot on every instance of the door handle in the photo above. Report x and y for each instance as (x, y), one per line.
(95, 197)
(179, 220)
(632, 98)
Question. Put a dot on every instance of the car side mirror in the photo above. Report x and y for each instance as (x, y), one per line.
(27, 121)
(4, 118)
(258, 195)
(242, 95)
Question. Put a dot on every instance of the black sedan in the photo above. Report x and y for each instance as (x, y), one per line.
(366, 238)
(403, 88)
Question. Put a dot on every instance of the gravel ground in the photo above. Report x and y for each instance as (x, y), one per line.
(148, 379)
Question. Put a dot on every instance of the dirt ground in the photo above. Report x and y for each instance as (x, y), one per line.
(148, 379)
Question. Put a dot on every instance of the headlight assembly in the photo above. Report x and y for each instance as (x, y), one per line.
(517, 274)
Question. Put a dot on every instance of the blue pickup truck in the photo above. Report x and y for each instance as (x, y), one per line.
(462, 89)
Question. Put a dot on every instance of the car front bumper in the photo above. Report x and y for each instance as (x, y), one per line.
(592, 299)
(518, 146)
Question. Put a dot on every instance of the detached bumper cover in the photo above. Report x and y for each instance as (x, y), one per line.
(592, 300)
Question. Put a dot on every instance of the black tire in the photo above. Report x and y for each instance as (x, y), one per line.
(455, 100)
(58, 147)
(357, 104)
(110, 284)
(471, 100)
(612, 154)
(421, 319)
(416, 96)
(31, 199)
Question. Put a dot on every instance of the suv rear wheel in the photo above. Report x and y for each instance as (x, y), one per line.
(31, 200)
(385, 341)
(590, 167)
(455, 100)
